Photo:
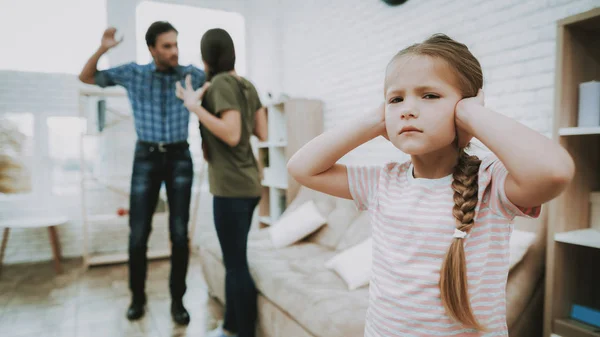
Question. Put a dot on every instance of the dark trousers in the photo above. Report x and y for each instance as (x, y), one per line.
(152, 166)
(233, 217)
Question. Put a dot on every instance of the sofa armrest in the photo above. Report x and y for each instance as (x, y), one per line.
(527, 275)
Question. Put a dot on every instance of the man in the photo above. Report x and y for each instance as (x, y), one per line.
(161, 155)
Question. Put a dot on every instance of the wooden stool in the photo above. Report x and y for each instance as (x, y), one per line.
(50, 222)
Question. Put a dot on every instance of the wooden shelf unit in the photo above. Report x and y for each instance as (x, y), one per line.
(573, 251)
(291, 124)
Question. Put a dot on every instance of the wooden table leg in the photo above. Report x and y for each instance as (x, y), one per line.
(4, 243)
(55, 243)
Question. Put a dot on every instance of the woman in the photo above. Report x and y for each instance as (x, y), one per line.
(230, 113)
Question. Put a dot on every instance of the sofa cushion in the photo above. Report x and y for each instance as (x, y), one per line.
(338, 221)
(358, 230)
(296, 280)
(325, 203)
(520, 241)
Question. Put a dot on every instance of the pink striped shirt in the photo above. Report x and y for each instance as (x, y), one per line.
(412, 228)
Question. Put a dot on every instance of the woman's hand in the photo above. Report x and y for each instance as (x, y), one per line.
(463, 109)
(190, 97)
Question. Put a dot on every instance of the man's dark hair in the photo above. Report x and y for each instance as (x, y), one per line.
(217, 51)
(157, 28)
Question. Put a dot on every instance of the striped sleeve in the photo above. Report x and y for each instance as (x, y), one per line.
(496, 173)
(363, 182)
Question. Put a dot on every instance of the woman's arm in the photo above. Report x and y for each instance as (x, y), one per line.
(228, 128)
(314, 165)
(260, 124)
(539, 169)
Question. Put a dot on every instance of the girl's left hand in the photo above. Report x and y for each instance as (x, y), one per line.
(463, 108)
(188, 95)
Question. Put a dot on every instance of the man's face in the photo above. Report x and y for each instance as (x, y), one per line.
(165, 51)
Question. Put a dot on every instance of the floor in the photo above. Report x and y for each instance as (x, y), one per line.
(35, 301)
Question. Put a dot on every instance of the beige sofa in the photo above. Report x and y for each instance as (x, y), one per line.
(299, 297)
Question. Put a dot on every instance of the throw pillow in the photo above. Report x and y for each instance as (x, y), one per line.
(357, 231)
(519, 244)
(296, 225)
(353, 265)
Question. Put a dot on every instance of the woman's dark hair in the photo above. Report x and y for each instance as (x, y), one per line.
(157, 28)
(217, 51)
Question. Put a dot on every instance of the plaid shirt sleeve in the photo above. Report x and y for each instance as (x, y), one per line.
(198, 77)
(121, 75)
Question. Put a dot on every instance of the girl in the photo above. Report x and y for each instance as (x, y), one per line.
(441, 222)
(231, 112)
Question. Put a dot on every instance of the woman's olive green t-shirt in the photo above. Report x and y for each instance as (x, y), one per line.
(232, 171)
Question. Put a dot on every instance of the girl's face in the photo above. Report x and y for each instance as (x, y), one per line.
(421, 97)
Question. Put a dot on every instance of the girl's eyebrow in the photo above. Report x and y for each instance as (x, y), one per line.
(427, 88)
(422, 88)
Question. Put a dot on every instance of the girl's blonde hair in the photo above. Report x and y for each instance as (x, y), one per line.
(469, 79)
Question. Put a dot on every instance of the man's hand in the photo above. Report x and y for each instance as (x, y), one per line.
(108, 38)
(188, 95)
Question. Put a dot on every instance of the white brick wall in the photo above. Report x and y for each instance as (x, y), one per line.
(56, 94)
(337, 51)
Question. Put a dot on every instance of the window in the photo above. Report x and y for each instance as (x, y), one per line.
(19, 128)
(49, 39)
(191, 22)
(24, 123)
(51, 152)
(64, 153)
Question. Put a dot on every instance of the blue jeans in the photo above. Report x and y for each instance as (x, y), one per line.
(233, 217)
(151, 167)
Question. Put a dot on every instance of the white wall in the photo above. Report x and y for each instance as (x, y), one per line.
(337, 51)
(57, 94)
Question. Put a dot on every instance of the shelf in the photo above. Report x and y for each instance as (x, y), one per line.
(264, 145)
(265, 219)
(281, 186)
(278, 104)
(578, 131)
(103, 218)
(106, 218)
(103, 259)
(584, 237)
(572, 328)
(569, 274)
(103, 92)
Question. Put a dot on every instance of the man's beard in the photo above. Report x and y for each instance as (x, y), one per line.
(166, 64)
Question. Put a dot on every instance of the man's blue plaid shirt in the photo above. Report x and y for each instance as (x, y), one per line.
(159, 116)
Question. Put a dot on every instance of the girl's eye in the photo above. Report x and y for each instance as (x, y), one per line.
(396, 100)
(431, 96)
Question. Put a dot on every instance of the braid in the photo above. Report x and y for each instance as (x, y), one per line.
(465, 190)
(453, 277)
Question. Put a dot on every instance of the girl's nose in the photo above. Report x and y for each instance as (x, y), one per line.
(409, 113)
